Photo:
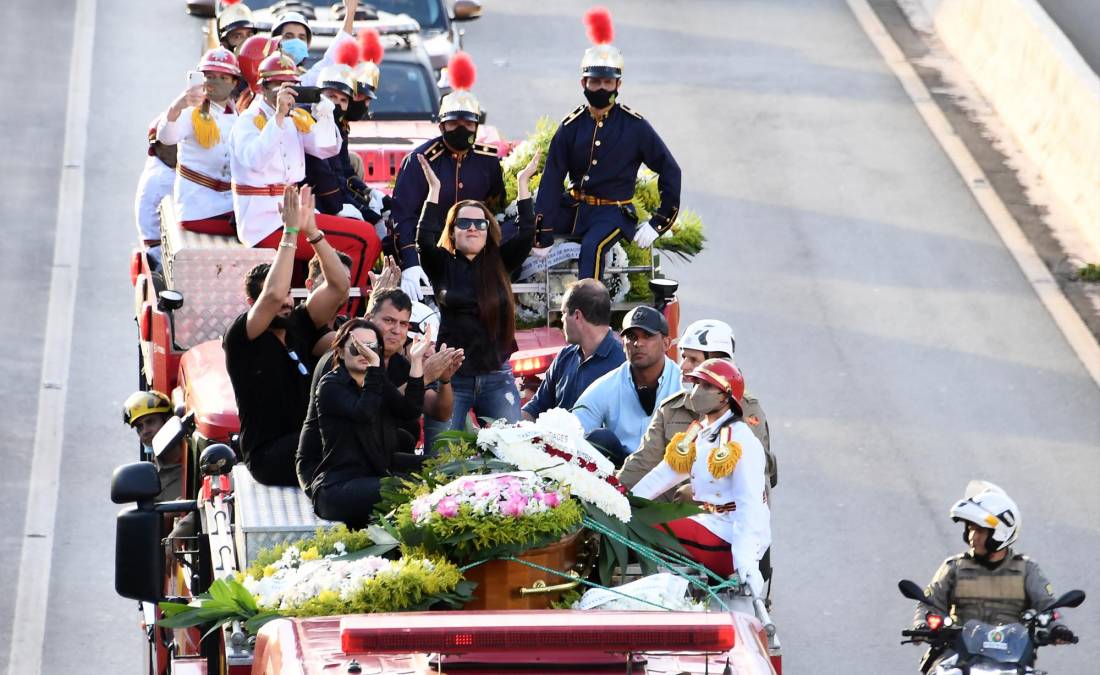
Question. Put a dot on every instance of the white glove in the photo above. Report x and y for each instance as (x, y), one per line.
(411, 279)
(646, 235)
(324, 107)
(752, 577)
(375, 202)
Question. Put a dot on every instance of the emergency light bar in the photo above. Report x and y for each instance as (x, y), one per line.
(533, 363)
(545, 631)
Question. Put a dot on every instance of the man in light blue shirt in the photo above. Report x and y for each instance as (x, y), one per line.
(617, 408)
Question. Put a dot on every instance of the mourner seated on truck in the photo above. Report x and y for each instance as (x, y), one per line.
(364, 422)
(470, 272)
(616, 409)
(270, 349)
(593, 349)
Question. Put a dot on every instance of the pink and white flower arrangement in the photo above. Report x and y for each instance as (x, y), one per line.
(501, 494)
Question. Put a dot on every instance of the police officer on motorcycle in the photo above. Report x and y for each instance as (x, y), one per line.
(989, 582)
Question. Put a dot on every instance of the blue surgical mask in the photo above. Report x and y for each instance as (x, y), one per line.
(147, 450)
(295, 49)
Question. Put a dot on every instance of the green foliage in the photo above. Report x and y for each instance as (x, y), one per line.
(521, 155)
(323, 542)
(468, 536)
(1090, 272)
(414, 584)
(225, 602)
(640, 531)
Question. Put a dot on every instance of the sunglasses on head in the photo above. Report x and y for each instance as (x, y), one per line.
(479, 224)
(354, 351)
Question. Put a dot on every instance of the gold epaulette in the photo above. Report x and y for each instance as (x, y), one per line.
(628, 111)
(484, 149)
(573, 115)
(433, 151)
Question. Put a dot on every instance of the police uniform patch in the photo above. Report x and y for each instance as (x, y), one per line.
(434, 150)
(631, 112)
(484, 149)
(573, 115)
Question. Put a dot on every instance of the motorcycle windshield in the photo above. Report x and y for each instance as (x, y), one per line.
(1006, 644)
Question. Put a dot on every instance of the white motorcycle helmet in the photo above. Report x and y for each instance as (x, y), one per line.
(986, 505)
(422, 317)
(708, 335)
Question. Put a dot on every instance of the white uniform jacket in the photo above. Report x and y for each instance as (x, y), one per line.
(154, 185)
(272, 158)
(202, 174)
(747, 527)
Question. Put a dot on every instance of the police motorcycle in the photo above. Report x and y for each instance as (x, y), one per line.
(982, 648)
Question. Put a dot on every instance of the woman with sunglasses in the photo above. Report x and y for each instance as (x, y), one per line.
(360, 414)
(470, 270)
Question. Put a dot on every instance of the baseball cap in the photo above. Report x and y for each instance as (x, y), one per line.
(646, 318)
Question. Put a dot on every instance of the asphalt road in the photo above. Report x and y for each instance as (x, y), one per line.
(895, 345)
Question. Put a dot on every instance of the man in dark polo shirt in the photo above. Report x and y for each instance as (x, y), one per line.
(269, 350)
(593, 349)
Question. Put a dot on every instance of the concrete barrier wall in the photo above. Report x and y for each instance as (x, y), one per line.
(1040, 87)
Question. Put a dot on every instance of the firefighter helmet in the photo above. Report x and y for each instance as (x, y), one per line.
(726, 377)
(234, 15)
(987, 505)
(602, 59)
(219, 60)
(143, 403)
(252, 52)
(291, 17)
(709, 335)
(278, 68)
(460, 104)
(338, 77)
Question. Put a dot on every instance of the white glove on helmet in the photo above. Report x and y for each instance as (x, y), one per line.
(411, 280)
(987, 505)
(646, 235)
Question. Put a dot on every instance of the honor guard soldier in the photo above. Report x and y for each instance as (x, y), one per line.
(269, 144)
(599, 147)
(467, 170)
(366, 75)
(235, 24)
(154, 185)
(203, 196)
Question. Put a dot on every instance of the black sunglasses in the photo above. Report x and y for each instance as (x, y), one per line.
(354, 351)
(479, 224)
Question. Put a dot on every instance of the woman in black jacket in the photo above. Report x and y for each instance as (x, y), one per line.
(360, 413)
(470, 270)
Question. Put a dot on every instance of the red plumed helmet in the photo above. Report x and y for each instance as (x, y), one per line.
(461, 71)
(347, 53)
(254, 50)
(724, 376)
(370, 45)
(598, 22)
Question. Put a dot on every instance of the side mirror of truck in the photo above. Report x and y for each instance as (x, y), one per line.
(135, 482)
(466, 10)
(169, 436)
(139, 558)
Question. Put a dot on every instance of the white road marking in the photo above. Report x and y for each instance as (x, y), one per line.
(1046, 287)
(33, 583)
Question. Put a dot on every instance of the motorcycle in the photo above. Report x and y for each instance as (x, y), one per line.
(979, 648)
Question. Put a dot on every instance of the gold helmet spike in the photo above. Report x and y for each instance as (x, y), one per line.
(602, 59)
(366, 76)
(460, 104)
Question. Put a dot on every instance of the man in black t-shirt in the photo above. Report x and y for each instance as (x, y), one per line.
(270, 350)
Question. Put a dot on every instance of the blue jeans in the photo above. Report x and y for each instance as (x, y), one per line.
(492, 395)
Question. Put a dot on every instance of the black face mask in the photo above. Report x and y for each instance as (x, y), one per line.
(601, 98)
(357, 111)
(338, 114)
(459, 138)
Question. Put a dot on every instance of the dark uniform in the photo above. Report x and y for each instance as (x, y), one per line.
(475, 174)
(335, 183)
(601, 160)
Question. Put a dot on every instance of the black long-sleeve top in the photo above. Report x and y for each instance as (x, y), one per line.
(359, 424)
(454, 280)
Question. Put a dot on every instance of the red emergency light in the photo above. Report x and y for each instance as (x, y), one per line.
(543, 631)
(532, 365)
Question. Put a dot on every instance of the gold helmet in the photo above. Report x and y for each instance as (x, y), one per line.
(338, 77)
(460, 104)
(602, 59)
(234, 15)
(143, 403)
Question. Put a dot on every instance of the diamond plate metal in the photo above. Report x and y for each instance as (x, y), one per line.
(267, 516)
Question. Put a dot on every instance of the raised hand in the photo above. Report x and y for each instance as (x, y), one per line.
(289, 207)
(523, 180)
(284, 101)
(390, 277)
(307, 218)
(430, 177)
(371, 355)
(420, 346)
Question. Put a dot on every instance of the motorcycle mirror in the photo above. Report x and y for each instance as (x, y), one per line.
(1069, 599)
(169, 435)
(914, 592)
